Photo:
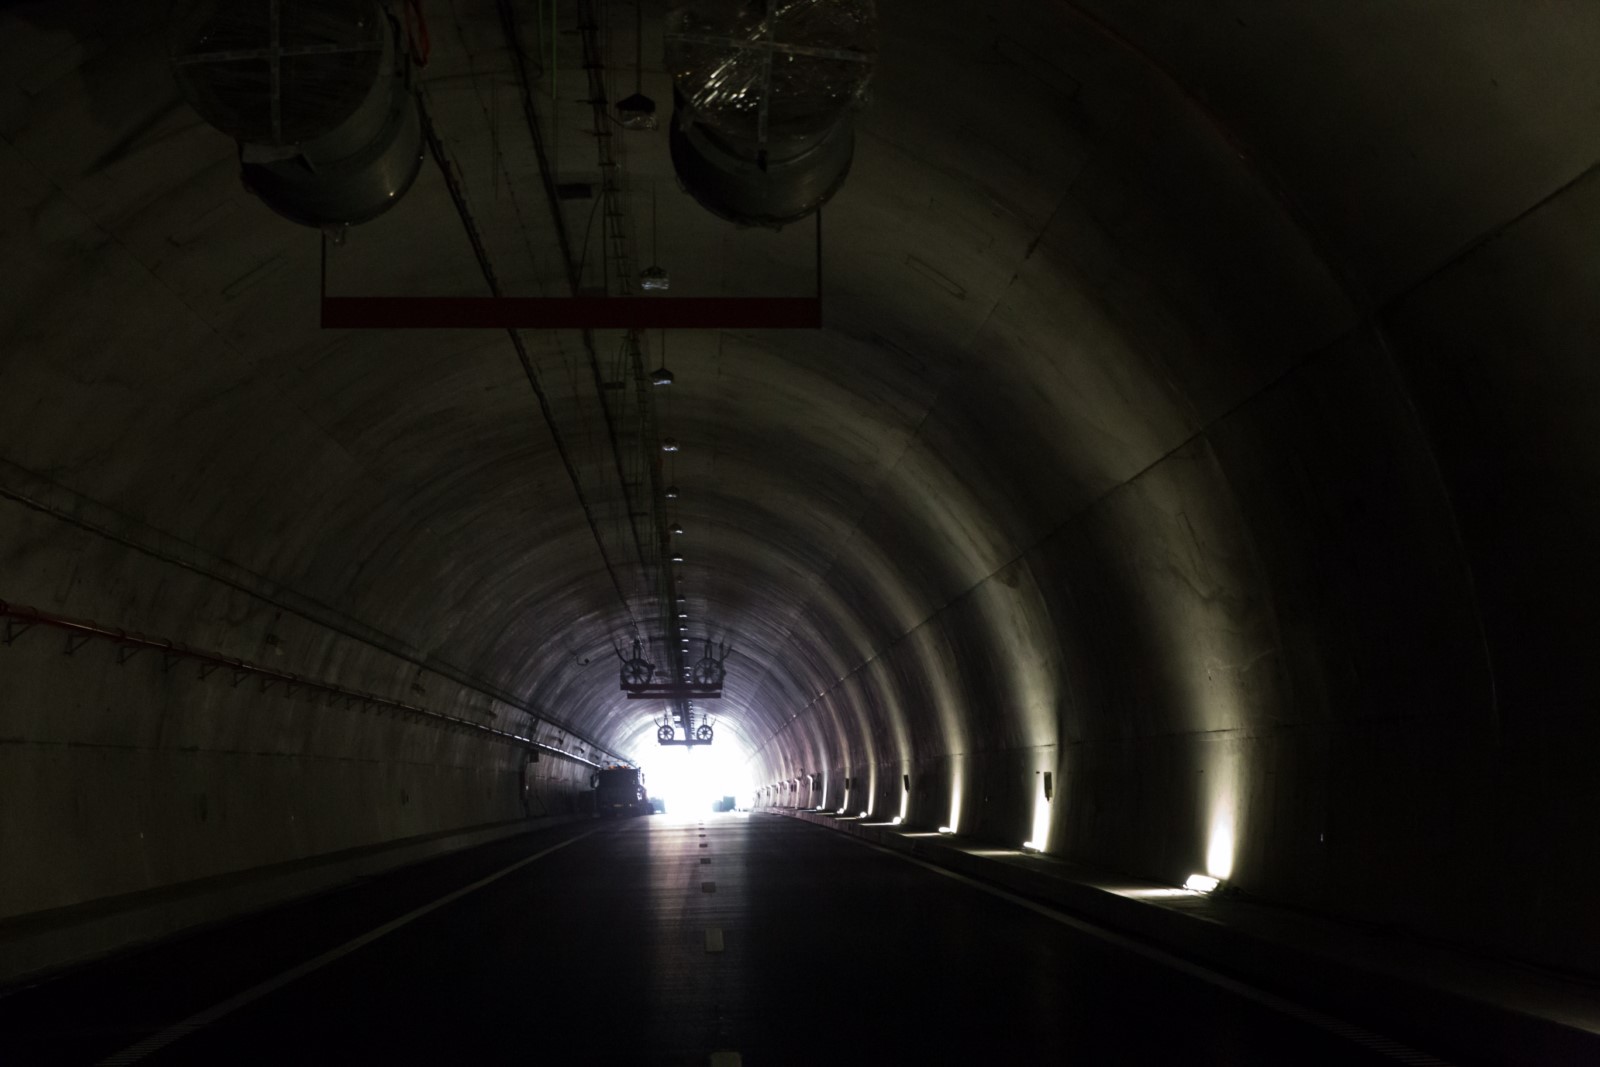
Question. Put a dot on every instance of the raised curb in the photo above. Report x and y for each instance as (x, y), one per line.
(1430, 1014)
(32, 946)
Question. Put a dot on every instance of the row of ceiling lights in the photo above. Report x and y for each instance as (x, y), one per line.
(662, 376)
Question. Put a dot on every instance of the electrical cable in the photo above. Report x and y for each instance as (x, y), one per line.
(458, 198)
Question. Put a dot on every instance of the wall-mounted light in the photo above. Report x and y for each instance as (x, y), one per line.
(661, 376)
(675, 528)
(947, 830)
(1029, 846)
(638, 112)
(672, 490)
(1201, 883)
(677, 558)
(669, 444)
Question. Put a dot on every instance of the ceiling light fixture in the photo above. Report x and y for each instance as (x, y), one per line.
(661, 375)
(637, 112)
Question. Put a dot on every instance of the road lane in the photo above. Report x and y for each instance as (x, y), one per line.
(670, 940)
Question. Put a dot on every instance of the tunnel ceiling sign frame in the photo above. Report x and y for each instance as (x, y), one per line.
(573, 312)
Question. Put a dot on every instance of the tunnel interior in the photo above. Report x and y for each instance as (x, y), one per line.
(1197, 424)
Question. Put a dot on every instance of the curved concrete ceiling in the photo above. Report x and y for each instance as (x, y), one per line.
(1203, 414)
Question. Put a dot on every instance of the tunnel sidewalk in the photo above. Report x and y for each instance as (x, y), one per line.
(1478, 1008)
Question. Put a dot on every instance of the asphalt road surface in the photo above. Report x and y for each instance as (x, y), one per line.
(724, 939)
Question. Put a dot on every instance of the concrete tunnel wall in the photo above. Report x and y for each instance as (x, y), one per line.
(1204, 417)
(1276, 566)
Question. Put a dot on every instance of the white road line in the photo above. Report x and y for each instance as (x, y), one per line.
(1338, 1027)
(139, 1050)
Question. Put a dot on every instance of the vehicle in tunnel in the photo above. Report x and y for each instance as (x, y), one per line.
(621, 791)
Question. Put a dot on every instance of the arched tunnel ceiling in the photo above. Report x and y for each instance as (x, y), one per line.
(1078, 240)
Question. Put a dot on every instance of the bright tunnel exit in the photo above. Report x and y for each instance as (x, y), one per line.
(692, 780)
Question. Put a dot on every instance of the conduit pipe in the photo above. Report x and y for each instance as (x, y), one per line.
(20, 618)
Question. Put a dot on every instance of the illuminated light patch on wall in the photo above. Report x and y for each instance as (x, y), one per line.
(872, 791)
(1040, 840)
(1015, 611)
(955, 798)
(905, 797)
(1220, 799)
(1220, 839)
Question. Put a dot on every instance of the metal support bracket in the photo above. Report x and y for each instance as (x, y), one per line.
(73, 644)
(127, 652)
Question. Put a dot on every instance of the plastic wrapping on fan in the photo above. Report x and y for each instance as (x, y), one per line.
(328, 56)
(821, 54)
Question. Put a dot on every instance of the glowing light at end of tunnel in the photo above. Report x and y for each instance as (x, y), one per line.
(691, 780)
